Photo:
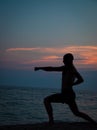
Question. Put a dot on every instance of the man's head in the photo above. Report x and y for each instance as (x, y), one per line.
(68, 58)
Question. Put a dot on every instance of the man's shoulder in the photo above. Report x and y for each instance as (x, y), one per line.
(74, 69)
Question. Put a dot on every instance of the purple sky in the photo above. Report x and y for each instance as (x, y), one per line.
(40, 32)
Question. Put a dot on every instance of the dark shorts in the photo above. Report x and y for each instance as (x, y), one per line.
(67, 97)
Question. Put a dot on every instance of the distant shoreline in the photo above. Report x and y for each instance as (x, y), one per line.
(55, 126)
(57, 89)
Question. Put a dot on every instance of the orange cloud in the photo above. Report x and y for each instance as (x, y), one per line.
(22, 49)
(58, 50)
(85, 56)
(44, 59)
(63, 49)
(51, 57)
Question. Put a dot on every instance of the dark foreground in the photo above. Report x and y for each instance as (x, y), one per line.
(56, 126)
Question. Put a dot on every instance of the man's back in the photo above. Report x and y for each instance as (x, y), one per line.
(68, 77)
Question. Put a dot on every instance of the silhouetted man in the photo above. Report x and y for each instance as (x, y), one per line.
(70, 77)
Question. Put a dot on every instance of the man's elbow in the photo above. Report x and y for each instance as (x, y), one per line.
(81, 80)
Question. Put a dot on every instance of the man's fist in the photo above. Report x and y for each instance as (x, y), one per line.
(36, 68)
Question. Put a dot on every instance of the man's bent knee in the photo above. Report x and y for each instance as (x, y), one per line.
(46, 100)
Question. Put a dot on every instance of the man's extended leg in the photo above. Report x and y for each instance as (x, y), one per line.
(76, 112)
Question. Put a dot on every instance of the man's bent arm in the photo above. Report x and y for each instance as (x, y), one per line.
(79, 79)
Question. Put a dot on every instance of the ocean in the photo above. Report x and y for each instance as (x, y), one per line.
(25, 105)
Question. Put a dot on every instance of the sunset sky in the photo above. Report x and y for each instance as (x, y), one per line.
(40, 32)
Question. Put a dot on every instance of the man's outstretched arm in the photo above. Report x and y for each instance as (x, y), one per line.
(49, 68)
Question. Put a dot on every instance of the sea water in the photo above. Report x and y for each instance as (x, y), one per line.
(25, 105)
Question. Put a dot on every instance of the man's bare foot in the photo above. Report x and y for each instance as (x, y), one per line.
(51, 122)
